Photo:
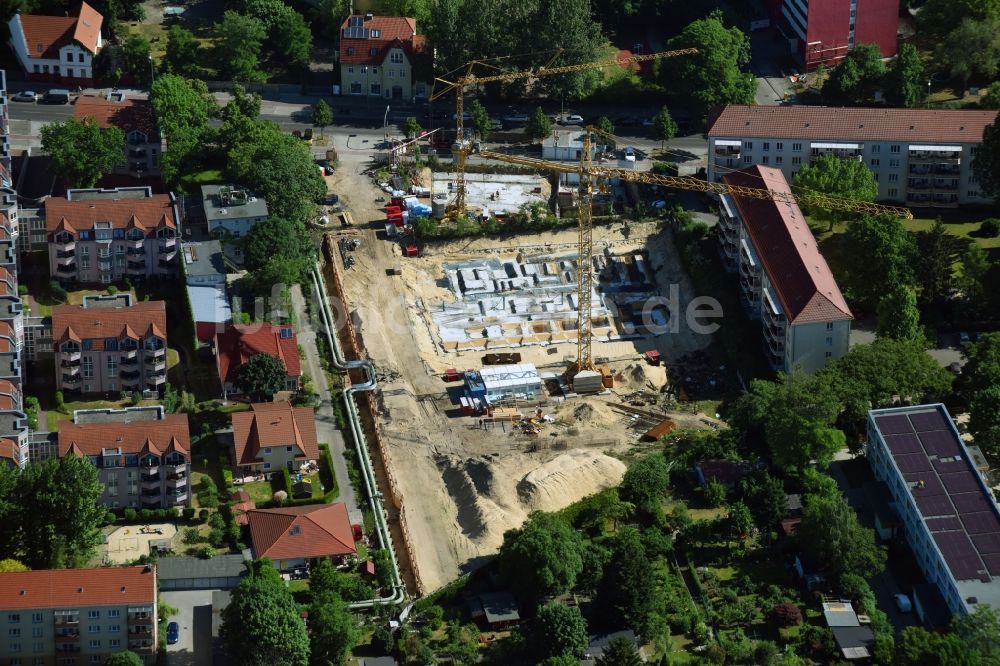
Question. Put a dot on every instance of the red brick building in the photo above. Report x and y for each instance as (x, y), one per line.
(823, 31)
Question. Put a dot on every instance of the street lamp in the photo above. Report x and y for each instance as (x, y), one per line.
(152, 72)
(385, 124)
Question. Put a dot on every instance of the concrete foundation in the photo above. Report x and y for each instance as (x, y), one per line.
(494, 194)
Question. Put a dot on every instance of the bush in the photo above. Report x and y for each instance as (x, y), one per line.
(233, 535)
(130, 515)
(191, 536)
(326, 475)
(286, 479)
(215, 537)
(785, 615)
(112, 289)
(203, 515)
(205, 552)
(990, 227)
(188, 512)
(216, 522)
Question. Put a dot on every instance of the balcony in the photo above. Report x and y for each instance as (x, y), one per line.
(140, 624)
(73, 365)
(150, 503)
(68, 637)
(150, 470)
(68, 246)
(64, 258)
(136, 267)
(142, 646)
(69, 620)
(943, 185)
(177, 481)
(62, 648)
(133, 244)
(178, 498)
(936, 157)
(154, 365)
(152, 492)
(179, 468)
(168, 243)
(67, 269)
(137, 152)
(130, 354)
(168, 264)
(151, 483)
(129, 360)
(70, 380)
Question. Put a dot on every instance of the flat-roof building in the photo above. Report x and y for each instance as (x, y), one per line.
(500, 382)
(231, 212)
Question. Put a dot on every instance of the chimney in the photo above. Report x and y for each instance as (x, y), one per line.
(369, 16)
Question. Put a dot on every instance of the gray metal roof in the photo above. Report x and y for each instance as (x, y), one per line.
(226, 202)
(499, 607)
(204, 258)
(173, 568)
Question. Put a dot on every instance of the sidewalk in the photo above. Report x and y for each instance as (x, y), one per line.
(326, 423)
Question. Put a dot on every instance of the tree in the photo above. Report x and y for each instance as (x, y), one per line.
(182, 107)
(984, 419)
(765, 496)
(664, 127)
(939, 17)
(560, 660)
(481, 122)
(938, 253)
(292, 39)
(412, 128)
(184, 55)
(907, 82)
(857, 77)
(10, 565)
(278, 240)
(543, 557)
(332, 629)
(322, 115)
(714, 76)
(714, 492)
(261, 376)
(628, 592)
(126, 658)
(785, 614)
(137, 58)
(971, 48)
(986, 163)
(898, 316)
(645, 484)
(980, 633)
(383, 568)
(798, 422)
(238, 47)
(982, 368)
(739, 522)
(80, 151)
(261, 625)
(919, 647)
(558, 630)
(975, 266)
(882, 253)
(620, 651)
(605, 125)
(539, 126)
(845, 179)
(831, 533)
(991, 100)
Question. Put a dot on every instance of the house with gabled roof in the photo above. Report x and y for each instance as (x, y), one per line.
(117, 349)
(272, 436)
(58, 48)
(295, 536)
(784, 280)
(383, 56)
(237, 343)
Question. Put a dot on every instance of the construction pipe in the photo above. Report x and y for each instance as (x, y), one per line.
(354, 420)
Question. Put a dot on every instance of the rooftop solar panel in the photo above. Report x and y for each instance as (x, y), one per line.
(927, 483)
(940, 443)
(959, 554)
(960, 482)
(981, 522)
(970, 502)
(912, 462)
(947, 524)
(925, 421)
(893, 424)
(935, 505)
(987, 544)
(949, 465)
(992, 563)
(905, 443)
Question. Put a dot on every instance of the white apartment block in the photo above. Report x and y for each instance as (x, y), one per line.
(919, 157)
(784, 280)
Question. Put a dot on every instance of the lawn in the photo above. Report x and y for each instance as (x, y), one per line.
(76, 297)
(191, 182)
(260, 491)
(53, 417)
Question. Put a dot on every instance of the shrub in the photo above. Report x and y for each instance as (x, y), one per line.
(109, 517)
(990, 227)
(130, 515)
(112, 289)
(216, 522)
(785, 615)
(215, 537)
(205, 552)
(146, 514)
(233, 535)
(203, 515)
(188, 512)
(714, 493)
(191, 535)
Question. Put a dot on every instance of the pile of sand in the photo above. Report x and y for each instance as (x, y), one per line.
(568, 478)
(642, 376)
(590, 412)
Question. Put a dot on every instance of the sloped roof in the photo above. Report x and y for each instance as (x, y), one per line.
(127, 115)
(238, 343)
(142, 319)
(316, 530)
(797, 270)
(45, 35)
(274, 424)
(852, 123)
(167, 434)
(78, 588)
(148, 213)
(391, 31)
(9, 449)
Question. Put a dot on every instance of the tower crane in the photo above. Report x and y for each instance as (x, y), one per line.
(469, 78)
(585, 250)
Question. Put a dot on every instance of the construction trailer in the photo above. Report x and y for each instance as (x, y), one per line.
(503, 382)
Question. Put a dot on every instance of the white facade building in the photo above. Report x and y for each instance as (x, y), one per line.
(60, 49)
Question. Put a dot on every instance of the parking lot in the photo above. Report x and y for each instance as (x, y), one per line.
(194, 615)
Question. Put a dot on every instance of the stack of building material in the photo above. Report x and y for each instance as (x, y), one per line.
(588, 381)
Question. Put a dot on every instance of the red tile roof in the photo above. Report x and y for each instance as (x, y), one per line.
(128, 115)
(146, 214)
(9, 449)
(274, 424)
(167, 435)
(78, 588)
(393, 32)
(142, 319)
(851, 123)
(788, 251)
(238, 343)
(316, 530)
(45, 35)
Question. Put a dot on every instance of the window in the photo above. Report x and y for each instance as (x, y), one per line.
(93, 615)
(829, 325)
(894, 148)
(973, 150)
(267, 451)
(767, 146)
(350, 69)
(829, 342)
(350, 50)
(892, 192)
(79, 58)
(115, 612)
(972, 194)
(876, 149)
(392, 73)
(763, 160)
(874, 162)
(797, 147)
(875, 175)
(779, 146)
(36, 632)
(114, 628)
(94, 643)
(893, 177)
(373, 51)
(94, 628)
(88, 373)
(374, 70)
(95, 659)
(288, 449)
(376, 89)
(115, 643)
(748, 145)
(267, 465)
(112, 365)
(893, 164)
(14, 618)
(14, 633)
(36, 618)
(396, 57)
(829, 354)
(796, 160)
(779, 159)
(746, 159)
(13, 647)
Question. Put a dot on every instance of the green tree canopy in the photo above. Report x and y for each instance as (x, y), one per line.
(276, 238)
(940, 17)
(973, 279)
(882, 252)
(845, 179)
(126, 658)
(261, 625)
(645, 484)
(332, 629)
(261, 376)
(984, 419)
(480, 119)
(558, 630)
(544, 556)
(939, 250)
(10, 565)
(857, 77)
(973, 48)
(605, 125)
(412, 128)
(539, 126)
(798, 424)
(135, 56)
(620, 651)
(907, 82)
(991, 100)
(238, 47)
(831, 533)
(183, 107)
(322, 115)
(292, 40)
(898, 316)
(184, 56)
(986, 163)
(716, 74)
(628, 592)
(664, 127)
(765, 496)
(982, 369)
(81, 152)
(919, 647)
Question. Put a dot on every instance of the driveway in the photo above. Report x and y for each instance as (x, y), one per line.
(194, 615)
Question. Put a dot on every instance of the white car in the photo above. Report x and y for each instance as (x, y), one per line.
(516, 117)
(630, 154)
(25, 96)
(572, 120)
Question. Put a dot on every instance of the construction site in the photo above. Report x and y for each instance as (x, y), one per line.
(491, 193)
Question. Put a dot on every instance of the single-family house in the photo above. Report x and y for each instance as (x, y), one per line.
(58, 48)
(382, 56)
(295, 536)
(273, 436)
(237, 343)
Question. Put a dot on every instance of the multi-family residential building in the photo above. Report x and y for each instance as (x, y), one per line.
(77, 617)
(14, 436)
(103, 236)
(823, 31)
(273, 436)
(142, 455)
(379, 56)
(135, 118)
(58, 48)
(237, 343)
(784, 280)
(948, 512)
(231, 212)
(116, 348)
(919, 157)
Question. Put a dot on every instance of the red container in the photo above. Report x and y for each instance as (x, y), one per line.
(393, 210)
(411, 250)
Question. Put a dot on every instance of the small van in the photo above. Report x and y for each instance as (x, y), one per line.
(57, 96)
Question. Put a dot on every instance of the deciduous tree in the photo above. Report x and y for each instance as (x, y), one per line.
(986, 163)
(982, 368)
(972, 281)
(183, 107)
(480, 119)
(238, 47)
(907, 81)
(10, 565)
(938, 252)
(135, 55)
(620, 651)
(412, 128)
(845, 179)
(940, 17)
(333, 631)
(991, 100)
(558, 630)
(664, 127)
(605, 125)
(628, 593)
(292, 40)
(831, 533)
(882, 253)
(81, 152)
(970, 49)
(539, 126)
(984, 419)
(898, 316)
(765, 496)
(857, 77)
(261, 376)
(322, 115)
(544, 556)
(126, 658)
(645, 484)
(185, 56)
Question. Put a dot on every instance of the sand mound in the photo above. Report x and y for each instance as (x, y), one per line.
(583, 412)
(591, 412)
(566, 479)
(639, 376)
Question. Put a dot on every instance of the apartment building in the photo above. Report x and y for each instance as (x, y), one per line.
(919, 157)
(59, 49)
(231, 212)
(116, 347)
(379, 56)
(949, 515)
(77, 617)
(135, 118)
(236, 344)
(824, 31)
(103, 236)
(784, 280)
(142, 454)
(273, 436)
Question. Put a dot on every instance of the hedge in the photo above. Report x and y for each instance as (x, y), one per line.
(326, 475)
(131, 515)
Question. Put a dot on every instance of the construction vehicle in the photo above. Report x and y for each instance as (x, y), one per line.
(461, 147)
(587, 172)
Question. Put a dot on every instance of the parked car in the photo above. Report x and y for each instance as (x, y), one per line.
(332, 200)
(57, 96)
(572, 119)
(26, 96)
(495, 124)
(173, 633)
(466, 116)
(514, 116)
(903, 603)
(630, 154)
(964, 337)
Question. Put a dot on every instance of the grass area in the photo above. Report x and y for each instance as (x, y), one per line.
(192, 181)
(76, 297)
(53, 417)
(706, 514)
(259, 491)
(155, 34)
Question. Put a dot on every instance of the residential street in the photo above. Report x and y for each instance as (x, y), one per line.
(326, 424)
